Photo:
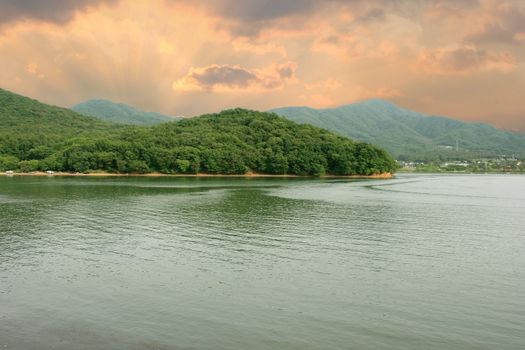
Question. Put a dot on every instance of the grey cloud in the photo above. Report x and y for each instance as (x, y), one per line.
(263, 10)
(466, 59)
(249, 17)
(286, 71)
(463, 58)
(507, 23)
(58, 11)
(376, 14)
(256, 10)
(224, 75)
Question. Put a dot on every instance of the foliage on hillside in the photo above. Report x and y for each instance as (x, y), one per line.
(409, 135)
(33, 130)
(34, 136)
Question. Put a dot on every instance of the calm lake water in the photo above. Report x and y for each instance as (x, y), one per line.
(418, 262)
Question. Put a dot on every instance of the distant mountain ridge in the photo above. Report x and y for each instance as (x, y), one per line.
(410, 135)
(120, 113)
(405, 134)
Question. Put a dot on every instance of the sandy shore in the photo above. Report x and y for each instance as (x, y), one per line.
(248, 175)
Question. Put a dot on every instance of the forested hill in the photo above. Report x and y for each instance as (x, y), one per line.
(35, 136)
(31, 130)
(22, 114)
(120, 113)
(409, 135)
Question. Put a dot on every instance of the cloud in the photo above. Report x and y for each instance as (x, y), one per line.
(256, 13)
(57, 11)
(464, 59)
(235, 78)
(260, 10)
(286, 71)
(504, 22)
(215, 75)
(32, 69)
(258, 48)
(380, 40)
(249, 18)
(375, 14)
(519, 37)
(264, 10)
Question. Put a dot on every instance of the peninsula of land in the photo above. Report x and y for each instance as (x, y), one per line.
(36, 138)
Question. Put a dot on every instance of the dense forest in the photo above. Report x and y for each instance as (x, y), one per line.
(35, 136)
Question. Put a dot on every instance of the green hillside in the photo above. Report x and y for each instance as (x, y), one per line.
(120, 113)
(30, 129)
(35, 136)
(409, 135)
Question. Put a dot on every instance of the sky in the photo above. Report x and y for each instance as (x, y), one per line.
(459, 58)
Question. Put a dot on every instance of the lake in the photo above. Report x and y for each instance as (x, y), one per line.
(417, 262)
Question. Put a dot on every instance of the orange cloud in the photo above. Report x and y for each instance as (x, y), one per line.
(387, 38)
(519, 37)
(259, 48)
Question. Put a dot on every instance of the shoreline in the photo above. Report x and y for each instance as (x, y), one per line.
(248, 175)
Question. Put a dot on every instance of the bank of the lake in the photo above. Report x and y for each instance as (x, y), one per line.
(248, 175)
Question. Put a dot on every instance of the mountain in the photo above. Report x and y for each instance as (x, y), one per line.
(35, 136)
(410, 135)
(120, 113)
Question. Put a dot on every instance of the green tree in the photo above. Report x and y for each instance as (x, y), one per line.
(8, 162)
